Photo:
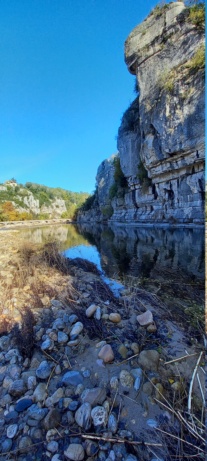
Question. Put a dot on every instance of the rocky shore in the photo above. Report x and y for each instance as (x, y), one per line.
(88, 376)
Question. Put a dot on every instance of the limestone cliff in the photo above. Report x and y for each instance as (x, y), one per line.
(35, 201)
(161, 137)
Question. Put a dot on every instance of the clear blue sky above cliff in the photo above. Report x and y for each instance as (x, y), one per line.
(63, 87)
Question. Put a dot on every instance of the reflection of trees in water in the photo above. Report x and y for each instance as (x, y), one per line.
(122, 260)
(67, 235)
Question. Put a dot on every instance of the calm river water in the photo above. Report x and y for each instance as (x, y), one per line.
(168, 261)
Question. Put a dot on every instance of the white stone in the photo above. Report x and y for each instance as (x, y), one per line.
(77, 328)
(11, 431)
(99, 416)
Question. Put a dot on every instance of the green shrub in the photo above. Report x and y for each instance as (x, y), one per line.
(113, 191)
(197, 15)
(119, 177)
(107, 211)
(160, 9)
(89, 202)
(142, 175)
(197, 62)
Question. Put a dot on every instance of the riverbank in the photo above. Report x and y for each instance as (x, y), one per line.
(87, 374)
(33, 223)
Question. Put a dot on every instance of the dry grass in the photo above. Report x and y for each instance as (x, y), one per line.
(37, 274)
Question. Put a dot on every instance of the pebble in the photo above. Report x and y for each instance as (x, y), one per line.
(91, 447)
(152, 423)
(25, 442)
(14, 371)
(73, 318)
(77, 328)
(112, 423)
(4, 343)
(90, 310)
(40, 393)
(72, 378)
(6, 445)
(106, 353)
(11, 431)
(32, 381)
(152, 328)
(17, 388)
(97, 314)
(114, 382)
(36, 413)
(58, 324)
(86, 373)
(149, 359)
(47, 345)
(100, 344)
(52, 446)
(11, 417)
(73, 405)
(52, 419)
(62, 337)
(54, 398)
(115, 317)
(159, 391)
(83, 416)
(147, 388)
(23, 404)
(94, 396)
(135, 348)
(56, 458)
(75, 452)
(43, 371)
(99, 416)
(131, 457)
(126, 379)
(145, 319)
(123, 351)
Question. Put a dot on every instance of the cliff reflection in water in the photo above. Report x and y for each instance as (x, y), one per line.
(133, 251)
(148, 252)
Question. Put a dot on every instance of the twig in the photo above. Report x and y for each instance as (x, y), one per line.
(192, 381)
(50, 357)
(190, 428)
(50, 378)
(199, 382)
(118, 440)
(178, 438)
(126, 360)
(181, 358)
(112, 406)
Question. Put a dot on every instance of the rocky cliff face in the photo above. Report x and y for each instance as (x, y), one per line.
(161, 137)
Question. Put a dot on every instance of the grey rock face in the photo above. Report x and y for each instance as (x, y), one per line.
(161, 137)
(105, 179)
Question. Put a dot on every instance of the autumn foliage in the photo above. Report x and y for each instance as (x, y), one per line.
(9, 213)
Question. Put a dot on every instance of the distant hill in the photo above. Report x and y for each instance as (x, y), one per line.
(35, 201)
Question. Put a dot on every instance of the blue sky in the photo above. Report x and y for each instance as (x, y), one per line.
(63, 87)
